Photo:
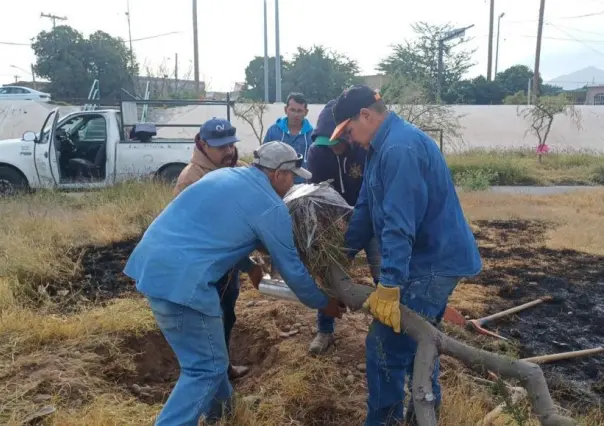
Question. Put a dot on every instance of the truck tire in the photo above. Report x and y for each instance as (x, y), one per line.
(169, 174)
(11, 182)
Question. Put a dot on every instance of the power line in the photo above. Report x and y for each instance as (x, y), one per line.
(10, 43)
(578, 41)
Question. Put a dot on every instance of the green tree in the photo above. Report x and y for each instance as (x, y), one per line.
(417, 59)
(109, 62)
(254, 78)
(516, 79)
(71, 62)
(60, 58)
(477, 91)
(320, 74)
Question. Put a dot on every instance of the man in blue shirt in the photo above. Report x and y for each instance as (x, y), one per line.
(343, 163)
(208, 229)
(408, 201)
(293, 129)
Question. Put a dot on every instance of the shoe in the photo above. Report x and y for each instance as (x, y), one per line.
(237, 371)
(321, 343)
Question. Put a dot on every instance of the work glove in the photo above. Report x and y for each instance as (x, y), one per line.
(334, 309)
(384, 305)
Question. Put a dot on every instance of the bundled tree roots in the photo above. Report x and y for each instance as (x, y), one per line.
(316, 211)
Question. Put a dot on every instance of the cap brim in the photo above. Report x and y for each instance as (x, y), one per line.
(302, 172)
(222, 141)
(325, 141)
(339, 130)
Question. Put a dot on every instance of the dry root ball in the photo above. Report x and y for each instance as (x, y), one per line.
(320, 218)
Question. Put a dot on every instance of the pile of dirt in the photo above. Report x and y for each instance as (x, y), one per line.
(525, 270)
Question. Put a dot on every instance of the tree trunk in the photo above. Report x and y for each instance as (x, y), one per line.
(431, 342)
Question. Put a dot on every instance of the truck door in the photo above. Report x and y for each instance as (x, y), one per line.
(45, 155)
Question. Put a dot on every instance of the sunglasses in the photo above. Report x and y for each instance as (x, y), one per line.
(297, 162)
(219, 134)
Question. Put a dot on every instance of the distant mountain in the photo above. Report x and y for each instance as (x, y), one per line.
(577, 79)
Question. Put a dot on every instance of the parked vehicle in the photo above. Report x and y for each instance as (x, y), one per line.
(19, 93)
(92, 149)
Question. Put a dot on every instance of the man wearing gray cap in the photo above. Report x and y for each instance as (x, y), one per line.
(199, 236)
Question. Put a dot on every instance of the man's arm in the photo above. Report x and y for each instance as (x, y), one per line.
(404, 206)
(360, 228)
(274, 229)
(316, 165)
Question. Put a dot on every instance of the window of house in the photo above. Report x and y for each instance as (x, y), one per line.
(599, 99)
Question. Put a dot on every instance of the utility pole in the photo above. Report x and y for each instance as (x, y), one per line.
(33, 77)
(538, 51)
(266, 93)
(497, 48)
(176, 67)
(195, 48)
(277, 56)
(53, 18)
(130, 35)
(490, 59)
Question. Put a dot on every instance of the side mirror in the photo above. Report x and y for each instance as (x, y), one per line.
(29, 137)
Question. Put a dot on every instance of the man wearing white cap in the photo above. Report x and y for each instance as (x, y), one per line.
(201, 234)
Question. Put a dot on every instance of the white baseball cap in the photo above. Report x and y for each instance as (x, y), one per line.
(280, 156)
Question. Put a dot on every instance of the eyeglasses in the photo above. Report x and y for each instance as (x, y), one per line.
(219, 134)
(297, 162)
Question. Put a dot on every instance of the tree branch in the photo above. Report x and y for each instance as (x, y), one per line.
(431, 342)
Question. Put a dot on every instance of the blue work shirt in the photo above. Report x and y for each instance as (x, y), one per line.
(300, 142)
(408, 201)
(210, 227)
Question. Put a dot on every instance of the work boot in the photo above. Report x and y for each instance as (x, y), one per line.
(237, 371)
(321, 343)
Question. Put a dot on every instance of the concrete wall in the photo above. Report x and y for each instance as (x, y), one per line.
(483, 126)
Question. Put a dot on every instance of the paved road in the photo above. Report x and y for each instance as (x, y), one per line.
(541, 190)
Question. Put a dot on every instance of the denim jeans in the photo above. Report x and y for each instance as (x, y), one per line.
(198, 341)
(390, 356)
(228, 287)
(326, 324)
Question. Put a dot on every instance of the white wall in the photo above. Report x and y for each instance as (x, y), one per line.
(483, 126)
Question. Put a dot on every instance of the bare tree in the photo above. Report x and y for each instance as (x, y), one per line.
(163, 82)
(252, 113)
(411, 100)
(431, 342)
(541, 116)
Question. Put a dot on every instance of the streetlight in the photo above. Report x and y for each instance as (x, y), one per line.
(497, 48)
(456, 33)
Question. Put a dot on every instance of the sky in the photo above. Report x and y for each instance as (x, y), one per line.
(231, 32)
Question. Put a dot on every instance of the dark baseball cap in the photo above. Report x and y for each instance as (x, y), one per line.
(349, 104)
(218, 132)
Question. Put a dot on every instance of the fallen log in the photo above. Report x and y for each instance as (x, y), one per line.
(431, 342)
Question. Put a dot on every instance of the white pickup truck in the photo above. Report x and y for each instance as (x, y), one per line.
(93, 149)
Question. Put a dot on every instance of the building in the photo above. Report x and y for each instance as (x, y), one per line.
(589, 95)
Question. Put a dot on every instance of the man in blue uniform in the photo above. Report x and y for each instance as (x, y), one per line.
(343, 163)
(208, 229)
(294, 129)
(408, 201)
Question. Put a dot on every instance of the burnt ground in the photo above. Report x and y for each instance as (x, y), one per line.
(515, 263)
(525, 270)
(99, 278)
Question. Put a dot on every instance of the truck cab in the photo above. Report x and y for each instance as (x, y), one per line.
(92, 149)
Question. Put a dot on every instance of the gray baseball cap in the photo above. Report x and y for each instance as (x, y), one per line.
(280, 156)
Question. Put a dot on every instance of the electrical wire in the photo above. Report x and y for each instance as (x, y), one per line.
(577, 40)
(10, 43)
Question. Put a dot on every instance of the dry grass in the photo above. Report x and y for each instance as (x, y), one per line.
(86, 362)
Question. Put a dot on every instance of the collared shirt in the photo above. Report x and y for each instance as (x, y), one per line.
(408, 201)
(207, 229)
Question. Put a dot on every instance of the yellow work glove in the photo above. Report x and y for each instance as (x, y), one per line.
(384, 305)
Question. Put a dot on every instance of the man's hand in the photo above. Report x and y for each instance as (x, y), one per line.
(384, 305)
(255, 273)
(334, 308)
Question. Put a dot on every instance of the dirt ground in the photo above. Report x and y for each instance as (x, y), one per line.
(517, 269)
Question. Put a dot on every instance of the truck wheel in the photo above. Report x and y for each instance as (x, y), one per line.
(11, 182)
(170, 173)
